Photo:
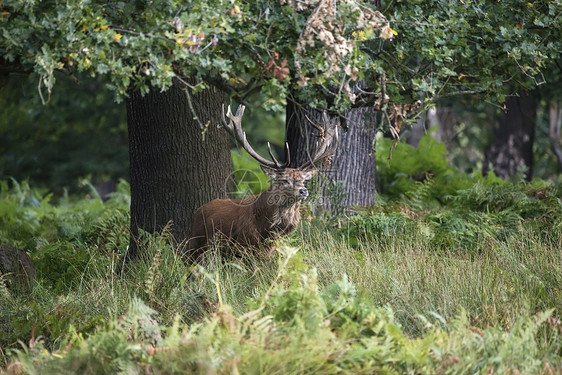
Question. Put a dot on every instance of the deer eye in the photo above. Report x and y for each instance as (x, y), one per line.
(285, 182)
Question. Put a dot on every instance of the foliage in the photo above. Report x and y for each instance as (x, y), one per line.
(467, 287)
(459, 209)
(455, 242)
(298, 328)
(545, 163)
(400, 166)
(474, 47)
(58, 236)
(317, 50)
(242, 47)
(80, 134)
(381, 227)
(453, 228)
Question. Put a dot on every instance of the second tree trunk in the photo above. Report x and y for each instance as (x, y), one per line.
(350, 179)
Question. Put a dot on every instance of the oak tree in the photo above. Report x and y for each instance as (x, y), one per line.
(175, 62)
(308, 51)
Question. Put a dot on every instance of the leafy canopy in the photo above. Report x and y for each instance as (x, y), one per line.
(491, 47)
(315, 50)
(240, 47)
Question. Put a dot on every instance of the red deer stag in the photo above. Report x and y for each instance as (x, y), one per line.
(254, 221)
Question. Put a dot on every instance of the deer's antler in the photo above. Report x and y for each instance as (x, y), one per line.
(326, 145)
(234, 127)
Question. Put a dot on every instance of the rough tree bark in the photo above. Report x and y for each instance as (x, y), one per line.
(175, 166)
(353, 164)
(512, 148)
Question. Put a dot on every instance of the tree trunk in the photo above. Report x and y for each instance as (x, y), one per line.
(350, 178)
(416, 131)
(512, 149)
(175, 166)
(554, 131)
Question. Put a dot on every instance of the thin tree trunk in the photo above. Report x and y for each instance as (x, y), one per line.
(512, 149)
(350, 178)
(175, 165)
(416, 131)
(444, 120)
(554, 131)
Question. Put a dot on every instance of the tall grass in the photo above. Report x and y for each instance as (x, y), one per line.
(497, 285)
(396, 289)
(295, 323)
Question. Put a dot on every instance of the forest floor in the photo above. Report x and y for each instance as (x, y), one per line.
(471, 284)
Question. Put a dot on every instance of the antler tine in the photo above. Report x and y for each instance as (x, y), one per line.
(279, 165)
(228, 126)
(326, 146)
(235, 130)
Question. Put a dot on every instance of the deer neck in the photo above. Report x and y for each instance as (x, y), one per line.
(275, 216)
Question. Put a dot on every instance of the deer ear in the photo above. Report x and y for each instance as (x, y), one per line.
(307, 174)
(269, 172)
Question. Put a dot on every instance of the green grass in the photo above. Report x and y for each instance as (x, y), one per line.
(472, 286)
(503, 281)
(305, 323)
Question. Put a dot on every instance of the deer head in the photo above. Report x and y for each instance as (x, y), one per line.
(251, 221)
(288, 186)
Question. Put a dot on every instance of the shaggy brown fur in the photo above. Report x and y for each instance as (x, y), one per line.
(253, 221)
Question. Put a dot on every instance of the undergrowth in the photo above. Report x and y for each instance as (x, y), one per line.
(296, 326)
(447, 273)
